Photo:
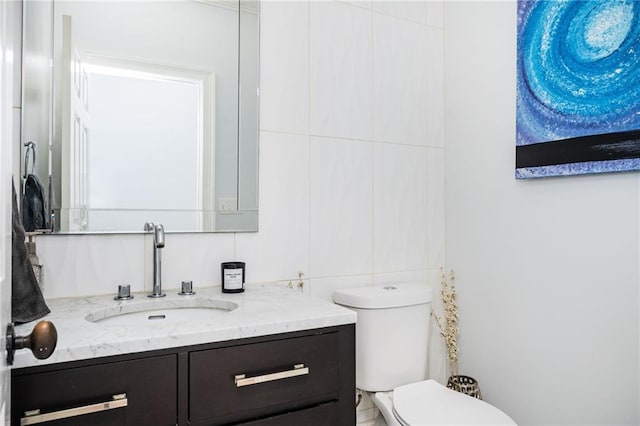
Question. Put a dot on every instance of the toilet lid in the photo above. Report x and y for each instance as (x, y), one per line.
(430, 403)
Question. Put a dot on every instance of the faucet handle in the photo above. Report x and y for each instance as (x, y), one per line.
(187, 288)
(124, 292)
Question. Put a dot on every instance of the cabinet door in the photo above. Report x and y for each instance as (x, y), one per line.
(321, 415)
(145, 390)
(279, 376)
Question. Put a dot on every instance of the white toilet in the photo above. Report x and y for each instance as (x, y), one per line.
(392, 331)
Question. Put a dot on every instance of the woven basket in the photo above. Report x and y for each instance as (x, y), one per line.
(466, 385)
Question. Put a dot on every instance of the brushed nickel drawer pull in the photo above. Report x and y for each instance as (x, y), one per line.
(33, 417)
(298, 370)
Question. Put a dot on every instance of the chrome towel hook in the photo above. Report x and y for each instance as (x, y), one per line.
(31, 148)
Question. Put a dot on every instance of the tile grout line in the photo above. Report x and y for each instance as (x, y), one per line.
(444, 138)
(308, 141)
(373, 163)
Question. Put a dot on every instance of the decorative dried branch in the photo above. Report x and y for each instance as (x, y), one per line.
(449, 326)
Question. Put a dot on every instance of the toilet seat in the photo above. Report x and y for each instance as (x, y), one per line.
(430, 403)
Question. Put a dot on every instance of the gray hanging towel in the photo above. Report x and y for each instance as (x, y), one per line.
(27, 302)
(34, 207)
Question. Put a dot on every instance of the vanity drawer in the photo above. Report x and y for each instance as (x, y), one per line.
(271, 384)
(321, 415)
(146, 392)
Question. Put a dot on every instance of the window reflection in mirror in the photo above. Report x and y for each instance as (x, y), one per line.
(160, 128)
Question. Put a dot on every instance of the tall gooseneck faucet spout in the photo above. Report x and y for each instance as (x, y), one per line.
(158, 243)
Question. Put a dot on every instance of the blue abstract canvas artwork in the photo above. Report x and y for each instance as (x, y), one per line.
(578, 87)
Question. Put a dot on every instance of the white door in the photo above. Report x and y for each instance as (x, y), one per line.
(7, 10)
(75, 134)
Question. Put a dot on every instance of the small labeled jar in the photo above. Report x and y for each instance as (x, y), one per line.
(232, 277)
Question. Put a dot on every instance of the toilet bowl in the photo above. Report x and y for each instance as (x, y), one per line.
(430, 403)
(392, 331)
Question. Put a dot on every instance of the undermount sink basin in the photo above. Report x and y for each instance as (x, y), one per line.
(161, 311)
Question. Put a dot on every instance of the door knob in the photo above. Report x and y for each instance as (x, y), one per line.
(42, 340)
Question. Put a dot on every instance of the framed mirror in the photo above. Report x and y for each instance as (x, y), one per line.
(143, 112)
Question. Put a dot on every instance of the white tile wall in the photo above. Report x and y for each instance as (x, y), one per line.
(323, 288)
(340, 70)
(341, 194)
(435, 208)
(389, 278)
(435, 87)
(351, 164)
(281, 247)
(90, 264)
(415, 11)
(192, 257)
(435, 14)
(341, 214)
(284, 66)
(366, 4)
(438, 364)
(399, 80)
(400, 208)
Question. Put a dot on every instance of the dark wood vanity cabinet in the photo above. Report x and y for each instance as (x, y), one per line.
(300, 378)
(150, 386)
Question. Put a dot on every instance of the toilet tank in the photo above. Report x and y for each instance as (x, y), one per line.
(392, 331)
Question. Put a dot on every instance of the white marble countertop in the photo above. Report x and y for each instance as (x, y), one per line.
(261, 311)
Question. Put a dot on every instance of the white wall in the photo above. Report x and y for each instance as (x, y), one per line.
(351, 163)
(547, 269)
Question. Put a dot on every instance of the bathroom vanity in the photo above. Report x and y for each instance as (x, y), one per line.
(271, 356)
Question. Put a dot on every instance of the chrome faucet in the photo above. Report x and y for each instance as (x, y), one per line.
(158, 243)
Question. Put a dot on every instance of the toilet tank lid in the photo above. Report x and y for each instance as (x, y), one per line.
(384, 296)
